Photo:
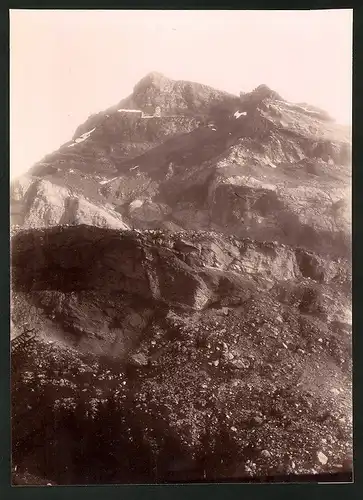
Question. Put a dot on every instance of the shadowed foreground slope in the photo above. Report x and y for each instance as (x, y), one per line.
(187, 355)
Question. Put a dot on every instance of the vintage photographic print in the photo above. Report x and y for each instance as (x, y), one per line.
(180, 246)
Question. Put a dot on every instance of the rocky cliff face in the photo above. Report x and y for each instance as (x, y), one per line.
(211, 336)
(174, 97)
(254, 165)
(46, 204)
(188, 276)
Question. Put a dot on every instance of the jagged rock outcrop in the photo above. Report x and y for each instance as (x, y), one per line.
(174, 97)
(45, 204)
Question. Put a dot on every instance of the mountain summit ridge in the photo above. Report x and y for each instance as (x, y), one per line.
(188, 138)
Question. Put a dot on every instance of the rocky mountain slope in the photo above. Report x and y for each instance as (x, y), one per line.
(185, 264)
(231, 356)
(254, 165)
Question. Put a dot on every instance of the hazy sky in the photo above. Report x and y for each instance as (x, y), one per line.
(65, 65)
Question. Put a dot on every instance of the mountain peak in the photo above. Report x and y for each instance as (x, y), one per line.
(153, 78)
(173, 96)
(155, 75)
(265, 92)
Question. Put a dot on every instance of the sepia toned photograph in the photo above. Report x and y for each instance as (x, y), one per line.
(180, 245)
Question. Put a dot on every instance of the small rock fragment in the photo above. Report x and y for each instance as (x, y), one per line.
(266, 453)
(323, 459)
(139, 359)
(257, 420)
(240, 364)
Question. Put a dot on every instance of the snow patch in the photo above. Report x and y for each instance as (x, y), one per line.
(136, 204)
(238, 114)
(107, 181)
(82, 137)
(121, 110)
(85, 136)
(239, 180)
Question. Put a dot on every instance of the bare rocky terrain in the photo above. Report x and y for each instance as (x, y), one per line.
(186, 268)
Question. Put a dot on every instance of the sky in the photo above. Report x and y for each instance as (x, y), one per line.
(66, 65)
